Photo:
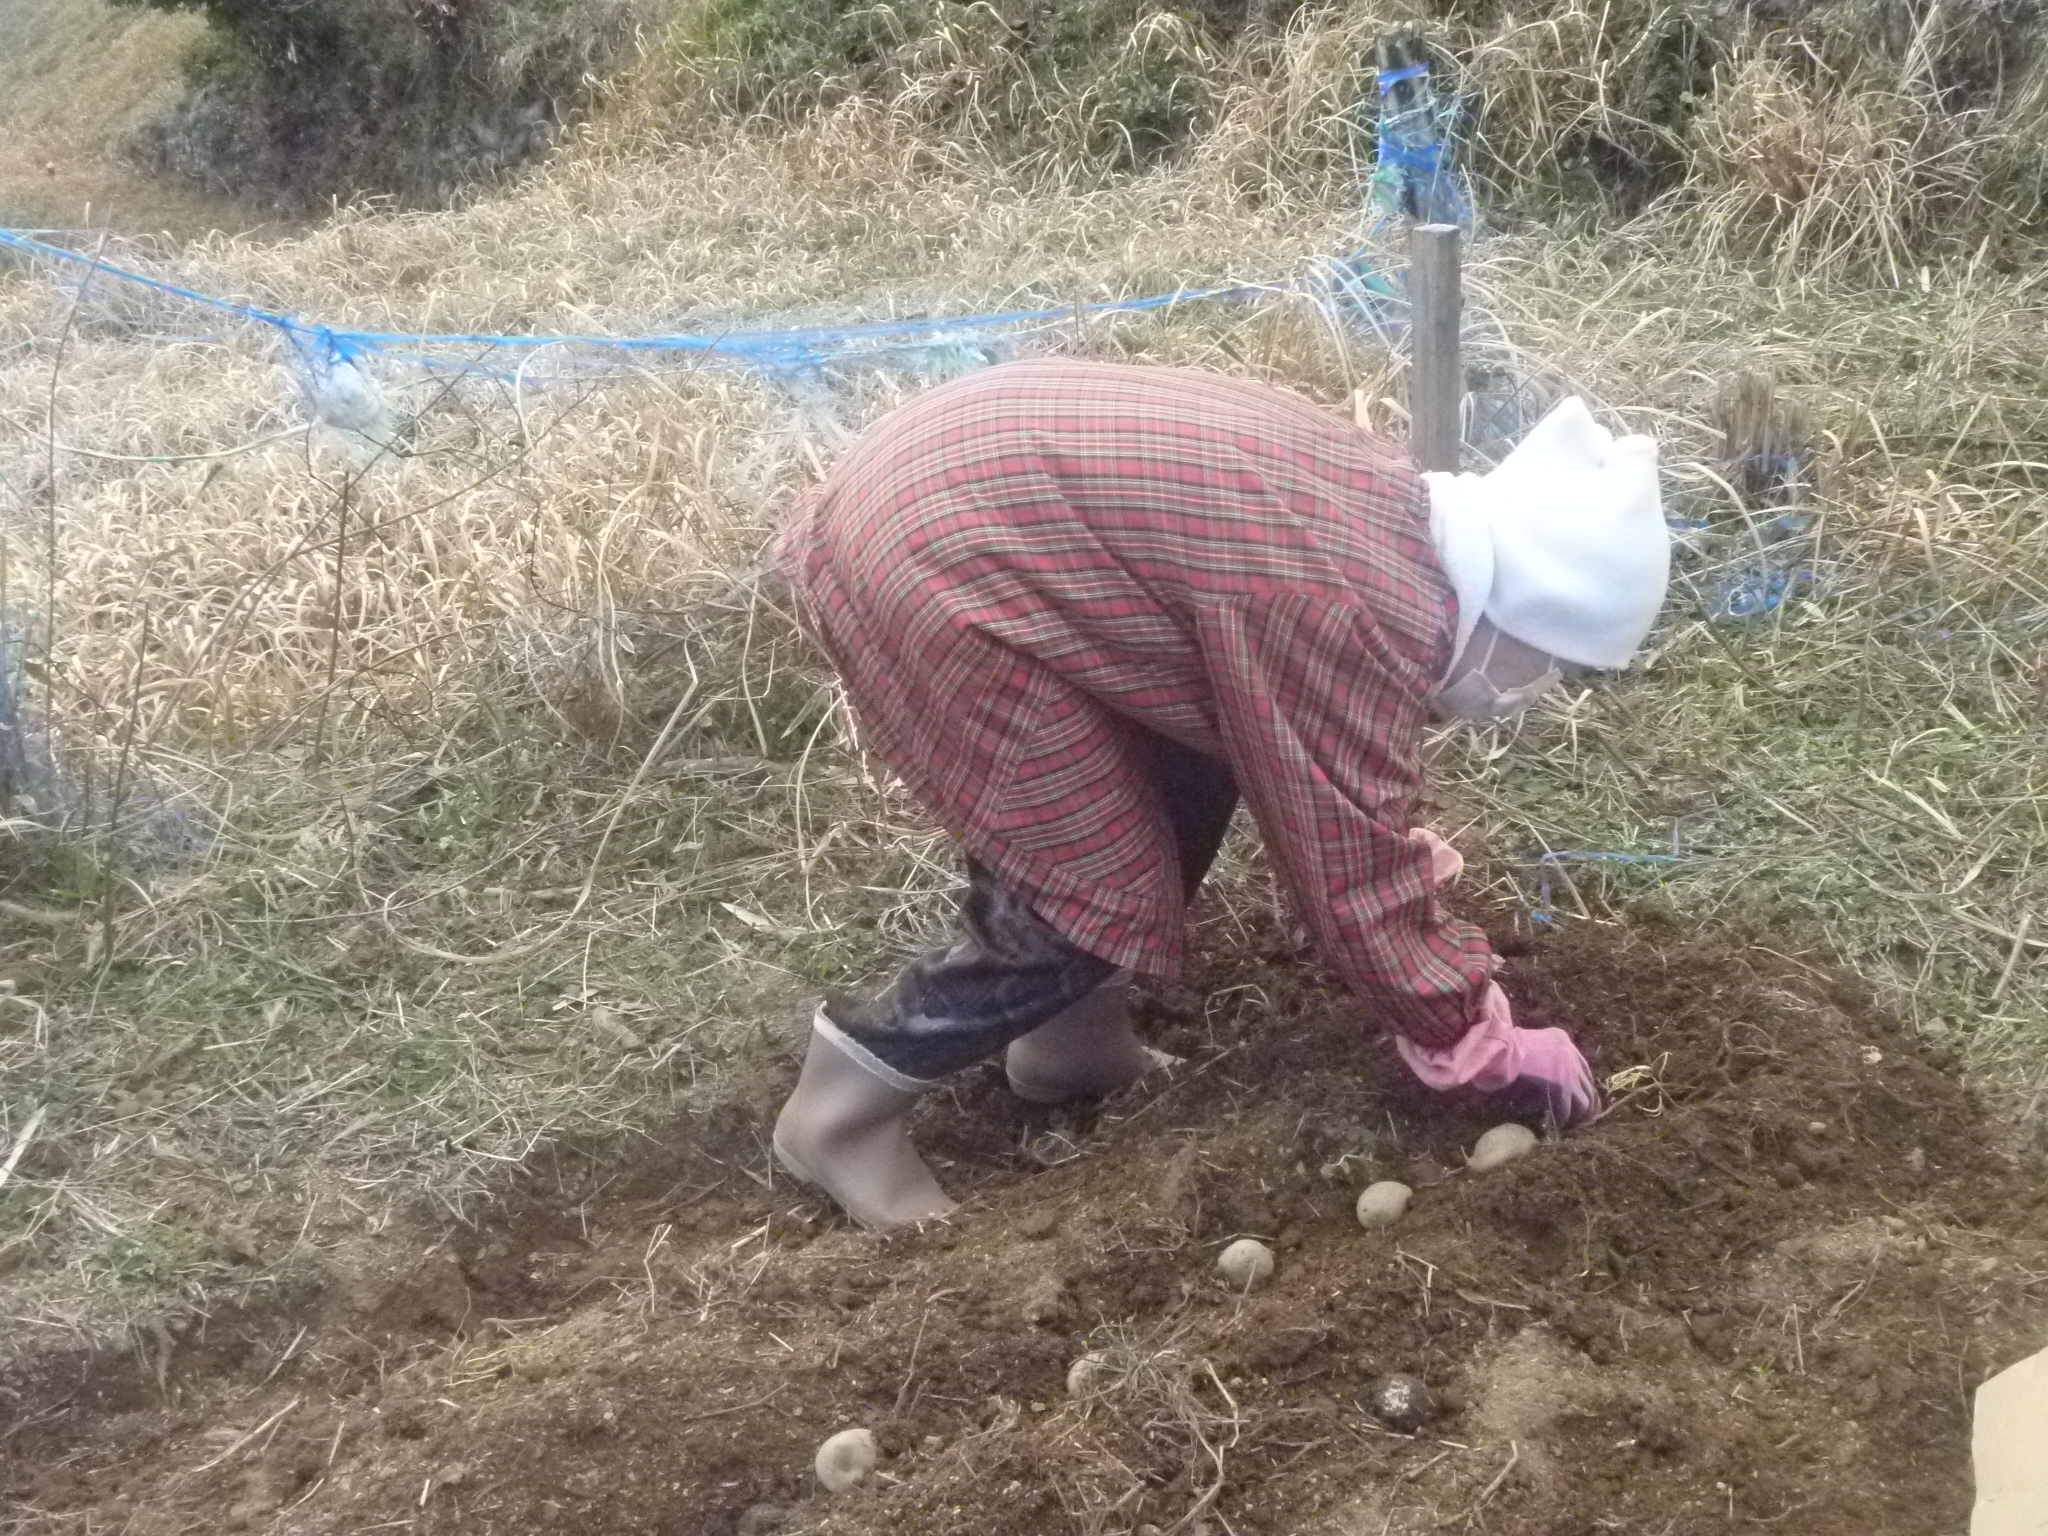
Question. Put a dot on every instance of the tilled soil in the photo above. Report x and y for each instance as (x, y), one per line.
(1757, 1294)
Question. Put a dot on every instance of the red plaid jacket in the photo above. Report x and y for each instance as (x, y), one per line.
(1010, 565)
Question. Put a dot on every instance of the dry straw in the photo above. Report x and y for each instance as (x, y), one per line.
(425, 802)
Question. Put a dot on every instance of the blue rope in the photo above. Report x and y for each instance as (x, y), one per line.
(1756, 590)
(1413, 177)
(22, 240)
(1593, 856)
(799, 347)
(1543, 912)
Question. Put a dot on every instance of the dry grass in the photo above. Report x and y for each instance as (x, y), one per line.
(380, 710)
(1872, 174)
(1866, 755)
(1848, 135)
(77, 77)
(418, 805)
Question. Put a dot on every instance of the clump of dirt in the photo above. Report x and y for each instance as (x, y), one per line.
(1760, 1290)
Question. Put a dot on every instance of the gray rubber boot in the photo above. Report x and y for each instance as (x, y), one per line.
(1087, 1051)
(844, 1130)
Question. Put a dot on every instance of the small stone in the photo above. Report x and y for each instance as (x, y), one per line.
(762, 1520)
(845, 1460)
(1046, 1302)
(1384, 1203)
(1089, 1374)
(1246, 1263)
(1422, 1172)
(606, 1025)
(1176, 1181)
(454, 1475)
(260, 1500)
(1402, 1402)
(1034, 1226)
(1340, 1170)
(1916, 1160)
(1500, 1146)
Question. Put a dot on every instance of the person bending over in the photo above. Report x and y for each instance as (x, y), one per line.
(1082, 610)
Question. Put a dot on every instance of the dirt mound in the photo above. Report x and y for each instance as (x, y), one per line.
(1758, 1293)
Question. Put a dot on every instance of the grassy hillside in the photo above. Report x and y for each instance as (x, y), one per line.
(77, 79)
(403, 807)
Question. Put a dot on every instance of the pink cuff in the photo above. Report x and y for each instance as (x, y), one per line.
(1486, 1058)
(1445, 862)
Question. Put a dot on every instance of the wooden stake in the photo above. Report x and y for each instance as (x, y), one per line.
(1436, 384)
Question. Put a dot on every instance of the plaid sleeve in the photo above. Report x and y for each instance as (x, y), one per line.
(1014, 566)
(1325, 746)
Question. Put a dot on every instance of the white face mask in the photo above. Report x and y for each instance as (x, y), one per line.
(1496, 677)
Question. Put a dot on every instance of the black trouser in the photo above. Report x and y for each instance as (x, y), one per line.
(1011, 970)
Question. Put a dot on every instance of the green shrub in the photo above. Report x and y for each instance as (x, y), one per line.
(301, 100)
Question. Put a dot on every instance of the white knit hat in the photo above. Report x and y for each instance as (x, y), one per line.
(1566, 539)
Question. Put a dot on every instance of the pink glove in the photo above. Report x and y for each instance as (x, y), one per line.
(1541, 1065)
